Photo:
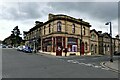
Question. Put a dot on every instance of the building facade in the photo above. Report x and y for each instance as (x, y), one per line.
(33, 36)
(94, 42)
(104, 43)
(60, 32)
(117, 43)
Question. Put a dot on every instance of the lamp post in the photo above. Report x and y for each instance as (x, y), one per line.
(111, 54)
(81, 38)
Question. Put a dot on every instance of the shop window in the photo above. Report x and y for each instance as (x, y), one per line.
(73, 28)
(49, 28)
(59, 25)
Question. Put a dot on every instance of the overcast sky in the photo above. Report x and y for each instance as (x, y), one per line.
(24, 14)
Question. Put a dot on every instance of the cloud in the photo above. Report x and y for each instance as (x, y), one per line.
(102, 11)
(24, 14)
(22, 11)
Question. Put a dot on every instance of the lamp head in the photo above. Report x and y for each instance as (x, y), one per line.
(107, 23)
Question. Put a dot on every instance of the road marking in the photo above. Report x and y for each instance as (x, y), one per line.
(94, 58)
(87, 64)
(80, 59)
(69, 60)
(98, 66)
(5, 76)
(72, 61)
(75, 62)
(81, 63)
(105, 68)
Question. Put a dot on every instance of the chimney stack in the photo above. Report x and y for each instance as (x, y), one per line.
(50, 16)
(117, 36)
(99, 32)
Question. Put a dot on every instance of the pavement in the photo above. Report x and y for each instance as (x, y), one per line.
(112, 65)
(46, 54)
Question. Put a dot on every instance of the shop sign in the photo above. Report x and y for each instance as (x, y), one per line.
(72, 41)
(48, 39)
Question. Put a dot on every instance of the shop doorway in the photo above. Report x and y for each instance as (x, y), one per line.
(59, 49)
(82, 48)
(74, 48)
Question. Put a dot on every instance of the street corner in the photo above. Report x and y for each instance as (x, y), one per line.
(113, 66)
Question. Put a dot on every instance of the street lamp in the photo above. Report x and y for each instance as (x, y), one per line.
(81, 38)
(111, 54)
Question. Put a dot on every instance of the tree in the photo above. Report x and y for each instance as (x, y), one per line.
(15, 36)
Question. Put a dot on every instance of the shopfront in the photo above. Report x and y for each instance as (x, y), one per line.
(47, 44)
(72, 44)
(60, 45)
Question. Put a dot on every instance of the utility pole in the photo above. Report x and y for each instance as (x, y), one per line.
(111, 53)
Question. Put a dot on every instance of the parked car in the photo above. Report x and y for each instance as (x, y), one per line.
(20, 48)
(116, 53)
(3, 46)
(27, 49)
(9, 46)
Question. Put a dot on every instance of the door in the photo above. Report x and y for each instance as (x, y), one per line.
(82, 51)
(59, 49)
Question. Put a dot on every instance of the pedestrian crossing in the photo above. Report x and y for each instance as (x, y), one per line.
(4, 75)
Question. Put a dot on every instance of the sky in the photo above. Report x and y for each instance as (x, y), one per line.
(24, 13)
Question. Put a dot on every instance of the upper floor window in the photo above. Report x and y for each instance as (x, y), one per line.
(84, 30)
(59, 25)
(49, 28)
(44, 30)
(39, 31)
(73, 28)
(93, 36)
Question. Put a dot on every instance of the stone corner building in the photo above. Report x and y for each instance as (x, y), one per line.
(58, 33)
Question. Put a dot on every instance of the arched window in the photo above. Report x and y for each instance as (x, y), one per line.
(105, 47)
(119, 47)
(85, 45)
(108, 48)
(49, 28)
(92, 36)
(95, 48)
(73, 28)
(59, 25)
(91, 47)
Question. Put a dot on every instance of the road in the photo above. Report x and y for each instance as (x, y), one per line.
(93, 61)
(16, 64)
